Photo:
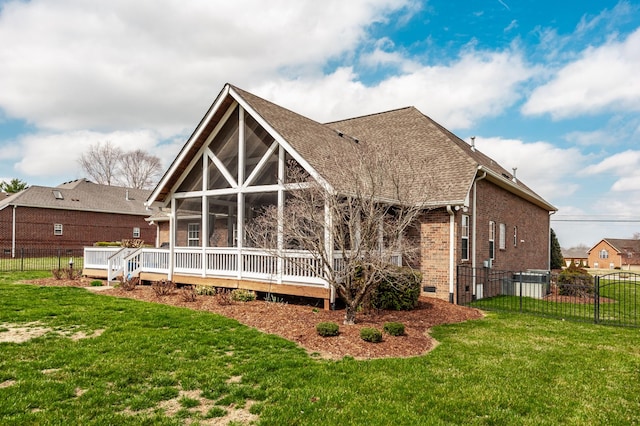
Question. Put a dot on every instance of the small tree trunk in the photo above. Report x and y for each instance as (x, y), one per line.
(350, 314)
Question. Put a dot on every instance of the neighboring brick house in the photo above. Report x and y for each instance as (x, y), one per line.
(73, 215)
(615, 253)
(478, 214)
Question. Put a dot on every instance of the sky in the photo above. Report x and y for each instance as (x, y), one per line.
(550, 88)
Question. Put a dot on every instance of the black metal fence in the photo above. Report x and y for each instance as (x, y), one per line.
(605, 299)
(40, 259)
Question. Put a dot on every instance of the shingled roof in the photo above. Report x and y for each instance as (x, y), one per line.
(626, 246)
(82, 195)
(445, 165)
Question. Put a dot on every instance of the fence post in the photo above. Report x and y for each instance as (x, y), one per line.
(596, 300)
(22, 259)
(59, 254)
(520, 275)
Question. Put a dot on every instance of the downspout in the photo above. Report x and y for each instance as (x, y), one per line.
(549, 253)
(13, 232)
(452, 242)
(474, 234)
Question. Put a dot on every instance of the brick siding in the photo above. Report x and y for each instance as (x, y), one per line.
(34, 228)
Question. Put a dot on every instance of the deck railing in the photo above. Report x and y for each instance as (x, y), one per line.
(295, 266)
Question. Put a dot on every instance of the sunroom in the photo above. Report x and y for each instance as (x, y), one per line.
(210, 198)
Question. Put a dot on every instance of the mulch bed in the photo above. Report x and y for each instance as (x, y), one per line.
(297, 322)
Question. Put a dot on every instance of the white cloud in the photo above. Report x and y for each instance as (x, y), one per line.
(625, 166)
(543, 167)
(477, 85)
(57, 154)
(592, 83)
(158, 64)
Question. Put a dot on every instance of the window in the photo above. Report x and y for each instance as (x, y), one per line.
(515, 236)
(136, 232)
(465, 237)
(57, 229)
(193, 235)
(503, 236)
(492, 240)
(603, 254)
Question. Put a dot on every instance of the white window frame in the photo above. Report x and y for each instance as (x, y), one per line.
(193, 234)
(603, 254)
(515, 236)
(465, 237)
(503, 236)
(58, 229)
(136, 232)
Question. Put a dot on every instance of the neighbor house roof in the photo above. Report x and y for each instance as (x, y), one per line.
(82, 195)
(630, 247)
(437, 160)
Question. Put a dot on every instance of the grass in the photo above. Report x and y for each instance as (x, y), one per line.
(39, 263)
(503, 369)
(624, 310)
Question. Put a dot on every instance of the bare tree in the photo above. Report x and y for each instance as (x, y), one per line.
(364, 223)
(101, 162)
(139, 169)
(107, 164)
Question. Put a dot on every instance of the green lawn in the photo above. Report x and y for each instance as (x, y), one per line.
(154, 364)
(39, 263)
(621, 306)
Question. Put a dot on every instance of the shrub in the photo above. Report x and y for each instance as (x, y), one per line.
(107, 244)
(72, 274)
(188, 293)
(205, 290)
(130, 283)
(575, 281)
(223, 296)
(242, 295)
(132, 243)
(399, 291)
(163, 287)
(394, 328)
(57, 273)
(369, 334)
(96, 283)
(327, 329)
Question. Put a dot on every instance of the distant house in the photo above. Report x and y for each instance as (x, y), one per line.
(73, 215)
(478, 214)
(613, 253)
(575, 255)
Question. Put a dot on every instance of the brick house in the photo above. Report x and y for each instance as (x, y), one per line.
(73, 215)
(476, 214)
(615, 253)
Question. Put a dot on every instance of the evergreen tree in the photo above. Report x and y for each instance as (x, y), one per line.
(556, 261)
(14, 186)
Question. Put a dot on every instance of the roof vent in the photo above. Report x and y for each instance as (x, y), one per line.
(515, 180)
(126, 195)
(473, 143)
(339, 133)
(57, 194)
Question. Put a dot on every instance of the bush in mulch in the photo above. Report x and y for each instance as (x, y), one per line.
(394, 328)
(188, 293)
(328, 329)
(370, 334)
(163, 287)
(129, 284)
